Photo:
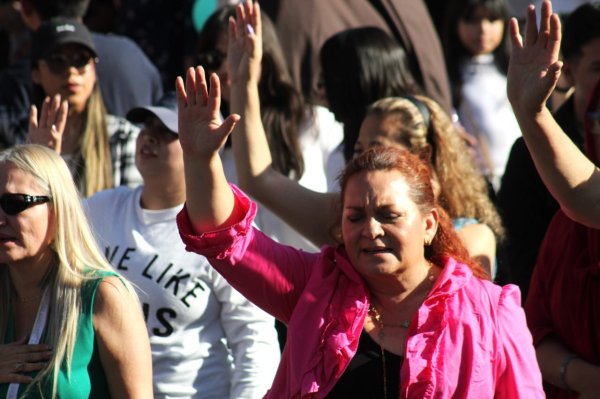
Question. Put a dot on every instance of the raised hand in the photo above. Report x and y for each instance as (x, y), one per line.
(201, 132)
(244, 52)
(49, 131)
(18, 358)
(534, 67)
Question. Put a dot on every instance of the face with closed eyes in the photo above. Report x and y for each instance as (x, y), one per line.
(382, 227)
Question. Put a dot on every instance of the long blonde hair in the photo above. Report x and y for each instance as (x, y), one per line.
(464, 191)
(95, 173)
(77, 256)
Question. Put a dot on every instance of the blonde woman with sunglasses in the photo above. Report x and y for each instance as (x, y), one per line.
(59, 294)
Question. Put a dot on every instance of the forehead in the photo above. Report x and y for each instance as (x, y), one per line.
(377, 129)
(13, 179)
(382, 187)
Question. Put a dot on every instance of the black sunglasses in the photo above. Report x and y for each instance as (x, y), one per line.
(13, 204)
(59, 63)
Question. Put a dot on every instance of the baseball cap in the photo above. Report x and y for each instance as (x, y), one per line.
(165, 110)
(57, 32)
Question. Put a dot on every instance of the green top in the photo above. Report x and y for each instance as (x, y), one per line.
(87, 378)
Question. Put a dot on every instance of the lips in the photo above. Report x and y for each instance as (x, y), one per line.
(377, 250)
(6, 238)
(147, 151)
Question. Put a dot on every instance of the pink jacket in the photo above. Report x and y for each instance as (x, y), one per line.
(469, 339)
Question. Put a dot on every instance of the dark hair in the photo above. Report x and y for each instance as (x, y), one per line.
(416, 172)
(456, 53)
(282, 106)
(48, 9)
(581, 26)
(359, 67)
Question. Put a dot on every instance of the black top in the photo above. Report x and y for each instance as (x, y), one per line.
(363, 378)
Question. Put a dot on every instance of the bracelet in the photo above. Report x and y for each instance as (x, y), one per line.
(563, 369)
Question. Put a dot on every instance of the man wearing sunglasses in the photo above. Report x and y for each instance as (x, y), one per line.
(207, 340)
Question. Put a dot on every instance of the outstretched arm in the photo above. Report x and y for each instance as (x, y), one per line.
(309, 212)
(533, 72)
(209, 200)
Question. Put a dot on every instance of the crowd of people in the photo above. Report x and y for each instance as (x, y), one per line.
(357, 199)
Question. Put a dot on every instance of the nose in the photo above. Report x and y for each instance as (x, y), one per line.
(372, 228)
(146, 136)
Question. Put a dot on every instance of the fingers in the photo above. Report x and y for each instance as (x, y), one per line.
(256, 21)
(44, 116)
(229, 123)
(530, 26)
(555, 36)
(201, 86)
(15, 378)
(181, 93)
(515, 35)
(190, 87)
(214, 98)
(544, 32)
(33, 120)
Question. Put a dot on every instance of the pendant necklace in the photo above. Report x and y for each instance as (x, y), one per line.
(376, 316)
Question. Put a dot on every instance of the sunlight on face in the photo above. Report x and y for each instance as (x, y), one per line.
(382, 228)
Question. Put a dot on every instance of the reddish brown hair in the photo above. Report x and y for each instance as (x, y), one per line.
(415, 171)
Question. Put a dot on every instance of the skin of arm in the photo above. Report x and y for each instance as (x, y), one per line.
(480, 242)
(209, 200)
(123, 341)
(309, 212)
(583, 377)
(533, 72)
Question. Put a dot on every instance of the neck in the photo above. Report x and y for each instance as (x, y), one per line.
(406, 288)
(157, 195)
(26, 277)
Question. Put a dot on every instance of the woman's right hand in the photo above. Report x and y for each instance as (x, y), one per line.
(18, 358)
(534, 67)
(201, 132)
(50, 129)
(244, 53)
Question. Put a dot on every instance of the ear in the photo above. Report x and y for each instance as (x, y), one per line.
(430, 225)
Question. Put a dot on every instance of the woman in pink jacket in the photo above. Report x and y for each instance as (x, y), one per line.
(396, 310)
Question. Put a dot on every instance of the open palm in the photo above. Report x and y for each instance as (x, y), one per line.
(534, 67)
(244, 52)
(201, 132)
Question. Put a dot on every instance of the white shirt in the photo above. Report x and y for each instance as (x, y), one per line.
(207, 340)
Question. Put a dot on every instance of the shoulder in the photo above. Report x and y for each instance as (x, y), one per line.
(111, 296)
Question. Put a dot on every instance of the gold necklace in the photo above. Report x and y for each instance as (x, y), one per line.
(377, 317)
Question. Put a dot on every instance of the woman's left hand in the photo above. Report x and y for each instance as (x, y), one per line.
(50, 129)
(244, 51)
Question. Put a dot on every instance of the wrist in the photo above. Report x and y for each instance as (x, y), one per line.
(564, 366)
